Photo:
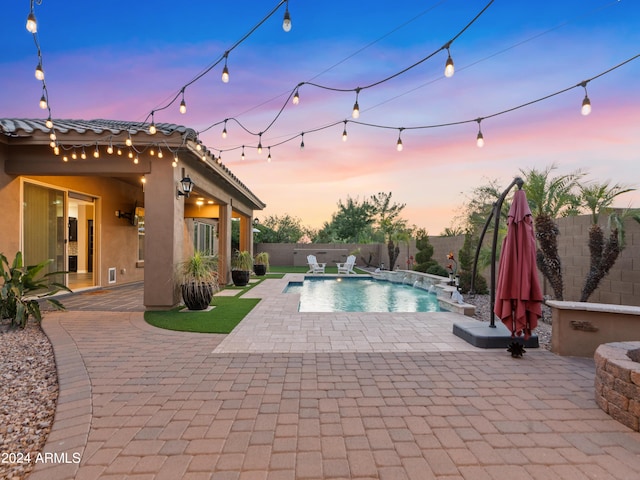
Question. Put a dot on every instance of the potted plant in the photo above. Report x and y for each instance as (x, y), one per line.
(198, 277)
(241, 266)
(261, 263)
(21, 288)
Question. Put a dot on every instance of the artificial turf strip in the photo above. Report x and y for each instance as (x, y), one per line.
(226, 314)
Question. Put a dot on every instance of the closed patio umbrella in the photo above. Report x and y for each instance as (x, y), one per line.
(518, 294)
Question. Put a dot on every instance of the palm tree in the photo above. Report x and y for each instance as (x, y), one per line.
(548, 199)
(598, 198)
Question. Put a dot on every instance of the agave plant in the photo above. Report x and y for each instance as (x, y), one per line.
(23, 286)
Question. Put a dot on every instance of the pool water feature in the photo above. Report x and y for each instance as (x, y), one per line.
(348, 294)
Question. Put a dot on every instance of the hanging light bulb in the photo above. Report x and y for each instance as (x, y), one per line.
(152, 127)
(302, 141)
(586, 106)
(175, 158)
(74, 155)
(225, 70)
(399, 145)
(224, 130)
(65, 158)
(56, 150)
(83, 155)
(110, 148)
(160, 155)
(32, 24)
(480, 137)
(242, 155)
(260, 144)
(128, 141)
(219, 158)
(183, 105)
(96, 153)
(136, 159)
(43, 102)
(39, 72)
(296, 98)
(344, 132)
(152, 152)
(130, 154)
(52, 135)
(199, 146)
(49, 123)
(174, 163)
(52, 144)
(356, 108)
(449, 68)
(143, 180)
(119, 152)
(286, 22)
(269, 156)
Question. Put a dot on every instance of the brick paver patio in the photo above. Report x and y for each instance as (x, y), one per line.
(143, 403)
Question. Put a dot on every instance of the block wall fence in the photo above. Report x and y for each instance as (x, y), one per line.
(620, 287)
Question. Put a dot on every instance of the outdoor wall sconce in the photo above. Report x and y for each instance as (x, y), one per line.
(187, 187)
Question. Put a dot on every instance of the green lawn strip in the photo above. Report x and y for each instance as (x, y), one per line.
(226, 314)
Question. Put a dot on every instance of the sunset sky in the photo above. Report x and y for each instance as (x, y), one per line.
(121, 60)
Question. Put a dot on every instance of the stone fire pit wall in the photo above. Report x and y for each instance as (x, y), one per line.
(617, 382)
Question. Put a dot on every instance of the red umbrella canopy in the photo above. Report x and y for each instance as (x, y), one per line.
(518, 295)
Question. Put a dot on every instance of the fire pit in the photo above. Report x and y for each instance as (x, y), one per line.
(617, 382)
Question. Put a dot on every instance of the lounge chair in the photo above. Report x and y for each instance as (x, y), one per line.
(314, 266)
(347, 267)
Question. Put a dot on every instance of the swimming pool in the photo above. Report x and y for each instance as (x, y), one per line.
(348, 294)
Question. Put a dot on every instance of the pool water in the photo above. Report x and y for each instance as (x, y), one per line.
(344, 294)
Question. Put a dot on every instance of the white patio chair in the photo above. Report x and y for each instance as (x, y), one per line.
(347, 267)
(314, 266)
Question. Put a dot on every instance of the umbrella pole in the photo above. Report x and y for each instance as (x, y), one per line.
(496, 213)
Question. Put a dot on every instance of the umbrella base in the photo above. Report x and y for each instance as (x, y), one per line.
(481, 335)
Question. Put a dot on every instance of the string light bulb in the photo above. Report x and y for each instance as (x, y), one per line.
(286, 21)
(136, 159)
(128, 142)
(586, 103)
(242, 155)
(130, 154)
(152, 127)
(269, 156)
(344, 132)
(174, 163)
(399, 145)
(160, 155)
(49, 123)
(96, 153)
(183, 104)
(479, 137)
(449, 68)
(43, 102)
(260, 144)
(32, 23)
(74, 155)
(302, 141)
(219, 158)
(56, 150)
(296, 98)
(83, 155)
(110, 148)
(224, 130)
(356, 108)
(225, 70)
(39, 72)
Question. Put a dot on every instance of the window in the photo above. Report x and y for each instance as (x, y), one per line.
(204, 237)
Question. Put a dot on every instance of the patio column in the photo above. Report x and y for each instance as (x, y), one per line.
(246, 234)
(224, 243)
(164, 230)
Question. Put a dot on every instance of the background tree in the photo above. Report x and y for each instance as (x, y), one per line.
(550, 197)
(282, 229)
(466, 257)
(597, 198)
(353, 221)
(387, 215)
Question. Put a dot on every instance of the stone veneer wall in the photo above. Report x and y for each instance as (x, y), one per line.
(617, 382)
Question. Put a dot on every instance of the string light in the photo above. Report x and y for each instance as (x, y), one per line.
(136, 160)
(83, 155)
(96, 153)
(225, 70)
(344, 132)
(119, 152)
(65, 158)
(56, 149)
(296, 97)
(269, 156)
(224, 130)
(39, 72)
(160, 155)
(110, 148)
(260, 144)
(128, 142)
(32, 23)
(183, 104)
(152, 152)
(399, 145)
(49, 123)
(480, 137)
(152, 127)
(449, 68)
(220, 158)
(130, 154)
(302, 141)
(286, 22)
(43, 101)
(356, 107)
(174, 163)
(242, 155)
(586, 103)
(74, 155)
